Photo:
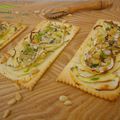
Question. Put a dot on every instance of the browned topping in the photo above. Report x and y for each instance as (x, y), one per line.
(97, 26)
(32, 36)
(106, 88)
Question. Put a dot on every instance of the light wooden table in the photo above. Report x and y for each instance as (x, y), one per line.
(43, 103)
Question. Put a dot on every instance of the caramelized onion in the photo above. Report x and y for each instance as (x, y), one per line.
(32, 35)
(97, 26)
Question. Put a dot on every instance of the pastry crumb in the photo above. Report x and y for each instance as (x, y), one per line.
(18, 96)
(16, 12)
(63, 98)
(12, 101)
(36, 11)
(6, 113)
(69, 15)
(68, 102)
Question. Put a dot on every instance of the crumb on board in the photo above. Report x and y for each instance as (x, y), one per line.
(63, 98)
(16, 12)
(18, 96)
(6, 113)
(12, 101)
(69, 15)
(43, 14)
(36, 11)
(68, 102)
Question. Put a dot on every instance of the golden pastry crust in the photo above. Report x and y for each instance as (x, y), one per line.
(66, 78)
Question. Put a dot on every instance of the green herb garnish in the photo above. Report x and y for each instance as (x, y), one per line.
(94, 65)
(1, 36)
(94, 78)
(26, 70)
(103, 55)
(38, 36)
(5, 6)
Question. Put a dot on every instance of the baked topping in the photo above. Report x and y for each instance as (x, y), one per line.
(7, 30)
(27, 54)
(101, 56)
(86, 76)
(37, 46)
(100, 60)
(44, 41)
(51, 34)
(3, 27)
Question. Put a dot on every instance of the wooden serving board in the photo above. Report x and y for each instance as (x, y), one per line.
(42, 103)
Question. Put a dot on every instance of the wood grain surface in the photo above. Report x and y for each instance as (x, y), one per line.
(42, 103)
